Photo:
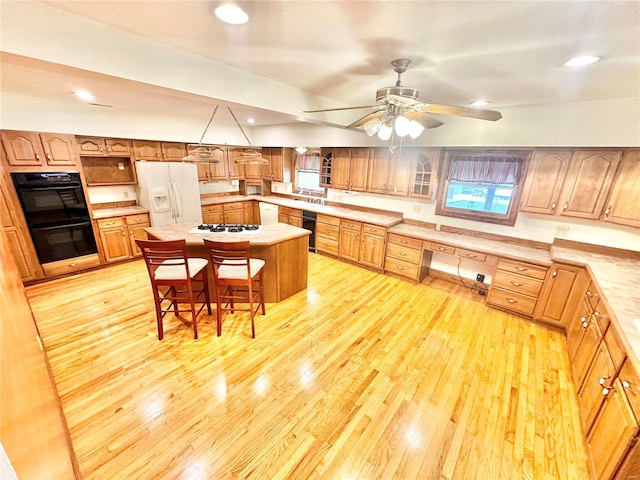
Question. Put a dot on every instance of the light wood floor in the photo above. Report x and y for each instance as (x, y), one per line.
(361, 376)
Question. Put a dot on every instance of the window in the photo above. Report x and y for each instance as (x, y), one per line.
(307, 170)
(482, 186)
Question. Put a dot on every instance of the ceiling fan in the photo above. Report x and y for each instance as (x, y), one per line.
(399, 109)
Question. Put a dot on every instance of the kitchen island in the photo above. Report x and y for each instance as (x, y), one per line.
(283, 247)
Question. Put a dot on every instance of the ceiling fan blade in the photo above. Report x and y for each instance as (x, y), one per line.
(338, 109)
(369, 116)
(423, 119)
(478, 113)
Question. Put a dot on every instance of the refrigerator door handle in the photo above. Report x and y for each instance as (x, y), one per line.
(171, 200)
(177, 200)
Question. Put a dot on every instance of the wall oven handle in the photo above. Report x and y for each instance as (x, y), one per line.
(64, 225)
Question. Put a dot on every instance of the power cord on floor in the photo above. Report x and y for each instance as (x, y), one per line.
(476, 287)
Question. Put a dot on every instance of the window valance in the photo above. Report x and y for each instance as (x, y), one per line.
(485, 169)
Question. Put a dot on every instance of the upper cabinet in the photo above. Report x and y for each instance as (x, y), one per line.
(326, 167)
(424, 170)
(32, 149)
(159, 151)
(583, 182)
(214, 171)
(280, 164)
(623, 205)
(405, 172)
(104, 147)
(350, 168)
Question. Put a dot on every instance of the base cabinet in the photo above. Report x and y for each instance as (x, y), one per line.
(327, 234)
(561, 292)
(290, 216)
(118, 236)
(362, 243)
(516, 286)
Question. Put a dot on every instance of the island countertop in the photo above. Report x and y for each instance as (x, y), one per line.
(270, 234)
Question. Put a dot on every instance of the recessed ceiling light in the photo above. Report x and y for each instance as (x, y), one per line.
(230, 13)
(581, 60)
(84, 95)
(480, 103)
(251, 120)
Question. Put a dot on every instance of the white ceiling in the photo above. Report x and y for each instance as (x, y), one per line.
(151, 56)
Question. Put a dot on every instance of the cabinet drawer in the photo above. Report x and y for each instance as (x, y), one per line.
(212, 209)
(399, 267)
(405, 241)
(350, 224)
(70, 265)
(517, 283)
(511, 301)
(327, 245)
(373, 229)
(320, 218)
(438, 247)
(521, 268)
(480, 257)
(137, 219)
(233, 206)
(328, 231)
(403, 253)
(111, 222)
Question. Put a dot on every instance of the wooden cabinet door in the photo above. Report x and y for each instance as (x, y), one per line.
(372, 250)
(424, 170)
(623, 206)
(203, 172)
(541, 190)
(212, 214)
(59, 149)
(23, 149)
(252, 170)
(349, 244)
(118, 147)
(612, 433)
(92, 146)
(234, 215)
(590, 397)
(115, 243)
(234, 170)
(588, 182)
(563, 289)
(173, 152)
(326, 167)
(591, 339)
(219, 170)
(341, 164)
(137, 231)
(378, 167)
(575, 326)
(147, 150)
(399, 172)
(358, 169)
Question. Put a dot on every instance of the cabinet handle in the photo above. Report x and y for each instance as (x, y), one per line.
(555, 272)
(589, 294)
(608, 210)
(110, 223)
(553, 206)
(605, 389)
(109, 149)
(157, 155)
(48, 157)
(627, 386)
(74, 264)
(521, 269)
(510, 300)
(402, 254)
(517, 284)
(37, 157)
(471, 255)
(565, 206)
(404, 242)
(122, 232)
(400, 268)
(442, 249)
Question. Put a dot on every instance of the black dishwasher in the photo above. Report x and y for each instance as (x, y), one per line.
(309, 223)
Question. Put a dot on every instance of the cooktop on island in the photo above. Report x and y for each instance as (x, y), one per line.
(226, 228)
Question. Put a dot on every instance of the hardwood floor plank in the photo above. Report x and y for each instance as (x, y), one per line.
(362, 376)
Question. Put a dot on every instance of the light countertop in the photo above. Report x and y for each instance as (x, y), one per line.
(118, 212)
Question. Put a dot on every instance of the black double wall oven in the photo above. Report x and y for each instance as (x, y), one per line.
(57, 214)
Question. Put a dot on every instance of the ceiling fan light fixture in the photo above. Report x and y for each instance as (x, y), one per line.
(231, 14)
(372, 126)
(401, 126)
(415, 129)
(384, 133)
(199, 153)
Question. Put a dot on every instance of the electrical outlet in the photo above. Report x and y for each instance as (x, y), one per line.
(125, 194)
(416, 209)
(562, 231)
(438, 227)
(480, 277)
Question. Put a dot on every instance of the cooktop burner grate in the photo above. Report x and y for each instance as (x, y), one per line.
(227, 228)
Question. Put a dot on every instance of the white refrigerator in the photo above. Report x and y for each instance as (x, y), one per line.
(169, 190)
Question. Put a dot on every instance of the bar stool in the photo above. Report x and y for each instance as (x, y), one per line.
(175, 279)
(238, 278)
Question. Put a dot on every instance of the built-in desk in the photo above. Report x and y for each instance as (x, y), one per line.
(283, 247)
